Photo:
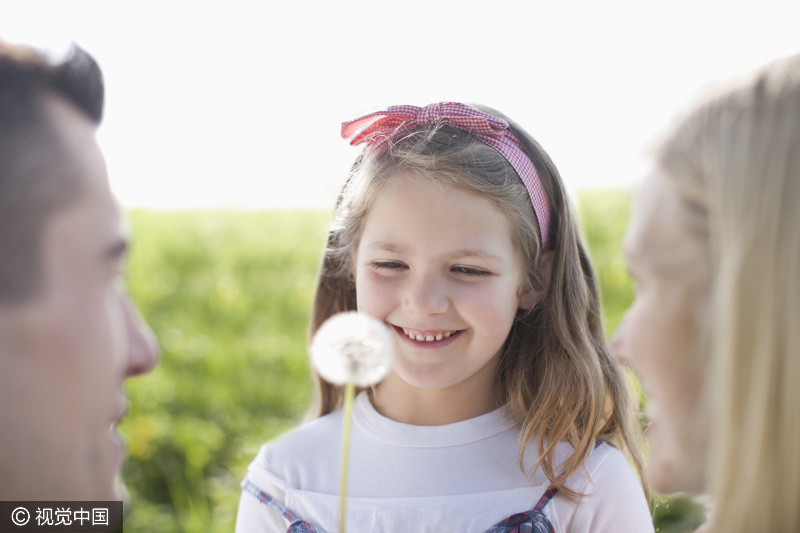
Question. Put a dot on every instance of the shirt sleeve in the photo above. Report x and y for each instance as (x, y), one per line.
(255, 517)
(261, 502)
(614, 500)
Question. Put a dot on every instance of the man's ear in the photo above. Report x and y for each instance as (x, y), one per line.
(535, 294)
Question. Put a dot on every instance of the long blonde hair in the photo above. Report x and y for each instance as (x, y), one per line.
(735, 161)
(555, 372)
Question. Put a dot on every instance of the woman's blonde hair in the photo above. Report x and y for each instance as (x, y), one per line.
(735, 161)
(555, 372)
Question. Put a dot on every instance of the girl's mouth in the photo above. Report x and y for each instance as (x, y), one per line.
(435, 337)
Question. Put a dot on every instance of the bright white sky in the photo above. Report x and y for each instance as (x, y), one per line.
(239, 103)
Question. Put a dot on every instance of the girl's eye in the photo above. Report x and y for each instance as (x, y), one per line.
(388, 265)
(470, 271)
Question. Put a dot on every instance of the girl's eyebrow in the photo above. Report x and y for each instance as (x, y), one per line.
(388, 246)
(472, 253)
(465, 253)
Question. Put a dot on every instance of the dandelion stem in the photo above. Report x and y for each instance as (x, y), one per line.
(349, 393)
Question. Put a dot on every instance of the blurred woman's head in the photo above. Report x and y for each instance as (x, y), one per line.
(714, 333)
(662, 334)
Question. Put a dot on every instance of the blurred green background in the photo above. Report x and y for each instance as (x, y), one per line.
(228, 293)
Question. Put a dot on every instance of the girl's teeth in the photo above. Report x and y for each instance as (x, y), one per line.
(427, 338)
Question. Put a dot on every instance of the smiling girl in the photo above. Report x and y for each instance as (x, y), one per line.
(504, 411)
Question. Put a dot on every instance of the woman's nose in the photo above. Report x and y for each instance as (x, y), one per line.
(616, 344)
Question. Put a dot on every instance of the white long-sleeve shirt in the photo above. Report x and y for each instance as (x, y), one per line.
(461, 477)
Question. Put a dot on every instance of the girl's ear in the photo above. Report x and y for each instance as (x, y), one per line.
(534, 295)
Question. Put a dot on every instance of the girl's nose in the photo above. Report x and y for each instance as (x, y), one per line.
(426, 295)
(143, 352)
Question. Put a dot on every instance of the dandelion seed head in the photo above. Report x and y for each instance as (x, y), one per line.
(352, 347)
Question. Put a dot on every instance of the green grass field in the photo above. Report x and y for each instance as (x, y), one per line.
(228, 293)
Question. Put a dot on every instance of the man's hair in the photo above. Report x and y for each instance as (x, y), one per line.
(32, 182)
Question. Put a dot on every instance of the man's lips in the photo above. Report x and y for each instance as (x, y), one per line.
(120, 410)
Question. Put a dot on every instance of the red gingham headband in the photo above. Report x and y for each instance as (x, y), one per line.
(377, 128)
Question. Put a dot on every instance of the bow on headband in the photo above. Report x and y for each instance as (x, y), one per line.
(378, 128)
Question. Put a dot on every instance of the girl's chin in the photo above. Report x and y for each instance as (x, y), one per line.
(418, 376)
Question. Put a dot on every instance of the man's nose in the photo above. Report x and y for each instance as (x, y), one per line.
(143, 351)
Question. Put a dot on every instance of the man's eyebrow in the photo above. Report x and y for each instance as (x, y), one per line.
(116, 250)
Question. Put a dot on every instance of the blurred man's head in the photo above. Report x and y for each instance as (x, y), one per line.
(69, 335)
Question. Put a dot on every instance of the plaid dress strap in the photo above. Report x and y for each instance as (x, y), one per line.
(532, 521)
(296, 524)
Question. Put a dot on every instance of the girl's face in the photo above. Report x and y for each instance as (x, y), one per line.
(437, 265)
(660, 337)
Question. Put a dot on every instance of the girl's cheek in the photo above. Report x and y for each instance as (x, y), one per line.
(491, 293)
(373, 291)
(383, 288)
